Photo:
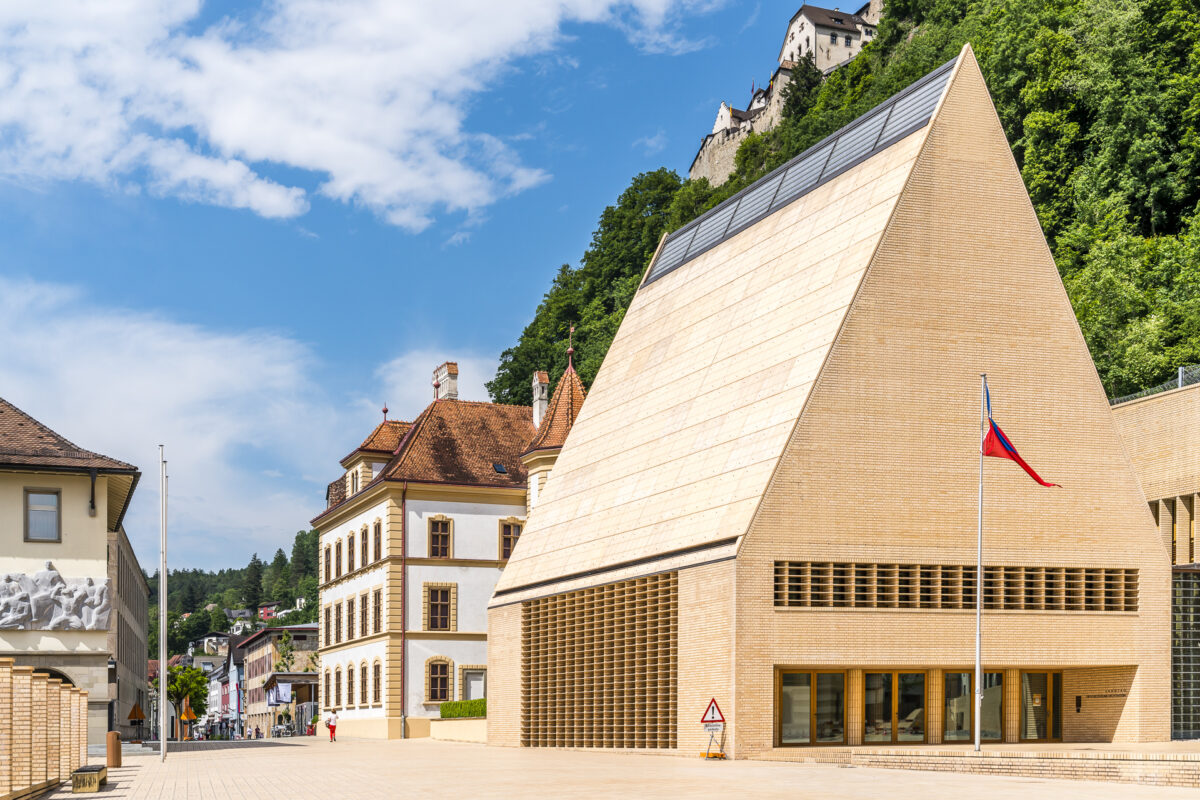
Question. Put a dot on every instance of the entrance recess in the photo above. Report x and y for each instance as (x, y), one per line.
(1041, 706)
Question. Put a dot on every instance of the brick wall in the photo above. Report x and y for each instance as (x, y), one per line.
(43, 725)
(504, 676)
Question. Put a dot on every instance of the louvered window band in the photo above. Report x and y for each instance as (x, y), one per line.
(811, 584)
(598, 666)
(905, 112)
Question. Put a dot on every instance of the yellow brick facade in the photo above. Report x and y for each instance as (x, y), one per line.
(43, 730)
(874, 380)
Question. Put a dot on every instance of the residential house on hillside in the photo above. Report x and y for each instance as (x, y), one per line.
(73, 598)
(413, 539)
(264, 672)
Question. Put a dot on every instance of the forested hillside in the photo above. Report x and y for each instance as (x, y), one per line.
(1100, 100)
(190, 591)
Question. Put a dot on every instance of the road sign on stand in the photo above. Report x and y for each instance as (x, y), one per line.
(714, 726)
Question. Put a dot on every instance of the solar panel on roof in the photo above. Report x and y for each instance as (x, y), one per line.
(882, 126)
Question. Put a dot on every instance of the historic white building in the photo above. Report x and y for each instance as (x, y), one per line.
(413, 539)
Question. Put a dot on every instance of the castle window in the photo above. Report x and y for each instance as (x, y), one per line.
(847, 40)
(366, 555)
(441, 606)
(437, 680)
(833, 38)
(378, 540)
(328, 563)
(350, 553)
(439, 537)
(337, 559)
(510, 531)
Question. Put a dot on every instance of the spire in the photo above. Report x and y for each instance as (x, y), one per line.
(385, 410)
(571, 347)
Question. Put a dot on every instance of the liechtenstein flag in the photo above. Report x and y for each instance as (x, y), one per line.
(997, 445)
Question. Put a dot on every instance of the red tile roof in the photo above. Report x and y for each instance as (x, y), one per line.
(384, 439)
(460, 442)
(561, 413)
(25, 442)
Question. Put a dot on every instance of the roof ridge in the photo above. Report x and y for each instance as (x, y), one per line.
(69, 448)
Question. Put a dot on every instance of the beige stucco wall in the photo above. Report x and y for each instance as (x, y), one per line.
(883, 465)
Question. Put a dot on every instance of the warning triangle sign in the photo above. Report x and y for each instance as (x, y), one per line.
(712, 713)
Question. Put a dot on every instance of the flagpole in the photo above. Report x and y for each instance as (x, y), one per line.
(979, 572)
(163, 676)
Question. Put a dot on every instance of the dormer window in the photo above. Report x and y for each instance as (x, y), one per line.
(354, 482)
(839, 21)
(500, 469)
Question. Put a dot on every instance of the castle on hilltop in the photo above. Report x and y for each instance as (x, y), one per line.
(832, 37)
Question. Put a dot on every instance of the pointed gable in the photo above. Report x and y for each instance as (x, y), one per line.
(564, 407)
(714, 360)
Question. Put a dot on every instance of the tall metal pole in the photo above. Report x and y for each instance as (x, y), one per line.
(163, 676)
(979, 572)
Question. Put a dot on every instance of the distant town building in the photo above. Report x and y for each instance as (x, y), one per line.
(73, 599)
(264, 671)
(831, 37)
(413, 539)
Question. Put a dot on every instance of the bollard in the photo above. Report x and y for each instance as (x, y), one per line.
(113, 755)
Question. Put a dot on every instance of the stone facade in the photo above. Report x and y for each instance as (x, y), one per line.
(834, 425)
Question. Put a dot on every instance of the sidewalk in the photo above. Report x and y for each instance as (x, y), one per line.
(352, 768)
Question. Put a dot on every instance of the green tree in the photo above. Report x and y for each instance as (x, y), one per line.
(252, 590)
(801, 91)
(217, 621)
(186, 682)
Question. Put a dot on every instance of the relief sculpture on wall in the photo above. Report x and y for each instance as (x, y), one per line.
(45, 601)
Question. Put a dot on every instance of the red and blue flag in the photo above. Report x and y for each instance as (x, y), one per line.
(997, 445)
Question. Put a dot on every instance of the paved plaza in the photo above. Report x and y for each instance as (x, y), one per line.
(352, 768)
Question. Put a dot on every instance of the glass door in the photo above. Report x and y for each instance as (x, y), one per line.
(1041, 706)
(893, 707)
(811, 707)
(959, 710)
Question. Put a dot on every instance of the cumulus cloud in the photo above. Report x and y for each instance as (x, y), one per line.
(652, 144)
(365, 100)
(252, 437)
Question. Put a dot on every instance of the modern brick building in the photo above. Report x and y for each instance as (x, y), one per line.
(770, 496)
(1163, 440)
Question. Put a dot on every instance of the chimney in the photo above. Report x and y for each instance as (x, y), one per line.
(541, 397)
(445, 381)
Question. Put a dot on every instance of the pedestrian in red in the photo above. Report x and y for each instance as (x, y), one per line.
(331, 723)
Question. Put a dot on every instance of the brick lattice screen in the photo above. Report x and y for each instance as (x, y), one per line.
(807, 584)
(599, 666)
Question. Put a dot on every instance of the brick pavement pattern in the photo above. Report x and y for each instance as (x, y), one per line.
(352, 768)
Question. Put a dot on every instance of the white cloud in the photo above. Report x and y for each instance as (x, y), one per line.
(652, 144)
(252, 438)
(367, 98)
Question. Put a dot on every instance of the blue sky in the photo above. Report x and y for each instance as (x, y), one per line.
(240, 235)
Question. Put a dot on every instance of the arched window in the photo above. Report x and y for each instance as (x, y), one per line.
(337, 559)
(378, 685)
(328, 563)
(437, 679)
(363, 686)
(328, 693)
(378, 540)
(366, 556)
(350, 685)
(337, 687)
(350, 553)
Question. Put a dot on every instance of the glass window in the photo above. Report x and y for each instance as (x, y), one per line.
(877, 697)
(910, 707)
(350, 619)
(366, 556)
(378, 541)
(957, 715)
(378, 610)
(363, 688)
(847, 40)
(833, 38)
(378, 685)
(439, 609)
(42, 521)
(993, 700)
(350, 553)
(350, 685)
(509, 533)
(795, 709)
(830, 715)
(439, 681)
(439, 538)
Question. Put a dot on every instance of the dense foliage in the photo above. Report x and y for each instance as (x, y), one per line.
(191, 591)
(464, 708)
(1100, 100)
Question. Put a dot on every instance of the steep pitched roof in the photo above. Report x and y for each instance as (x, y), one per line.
(560, 413)
(725, 340)
(461, 441)
(26, 442)
(384, 439)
